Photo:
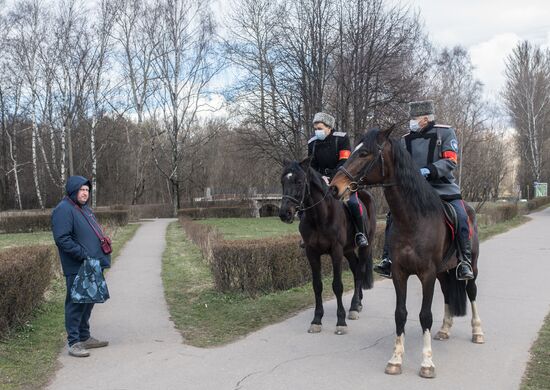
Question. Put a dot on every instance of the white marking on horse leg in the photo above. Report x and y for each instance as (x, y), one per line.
(398, 350)
(477, 332)
(445, 330)
(427, 350)
(427, 368)
(394, 364)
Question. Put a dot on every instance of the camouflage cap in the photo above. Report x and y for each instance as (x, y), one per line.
(425, 107)
(324, 118)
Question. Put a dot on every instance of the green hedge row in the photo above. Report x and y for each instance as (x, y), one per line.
(25, 274)
(27, 223)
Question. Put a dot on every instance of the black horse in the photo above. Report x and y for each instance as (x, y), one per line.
(420, 239)
(326, 227)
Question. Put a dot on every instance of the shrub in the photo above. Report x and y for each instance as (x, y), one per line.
(25, 223)
(201, 235)
(41, 221)
(140, 211)
(218, 212)
(116, 218)
(262, 265)
(254, 266)
(535, 203)
(25, 274)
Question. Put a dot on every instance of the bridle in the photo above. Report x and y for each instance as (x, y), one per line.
(305, 189)
(356, 180)
(300, 203)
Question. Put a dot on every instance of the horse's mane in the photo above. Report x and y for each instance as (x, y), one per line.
(420, 196)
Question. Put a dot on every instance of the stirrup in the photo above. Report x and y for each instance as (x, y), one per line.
(358, 237)
(462, 262)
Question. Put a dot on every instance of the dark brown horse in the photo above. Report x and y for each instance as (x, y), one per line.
(419, 241)
(327, 228)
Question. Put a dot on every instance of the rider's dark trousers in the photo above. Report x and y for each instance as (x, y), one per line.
(464, 228)
(356, 208)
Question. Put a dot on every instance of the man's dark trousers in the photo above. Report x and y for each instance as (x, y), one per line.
(77, 316)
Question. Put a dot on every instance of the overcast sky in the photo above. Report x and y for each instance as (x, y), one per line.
(489, 29)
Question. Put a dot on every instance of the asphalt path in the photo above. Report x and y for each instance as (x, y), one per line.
(146, 352)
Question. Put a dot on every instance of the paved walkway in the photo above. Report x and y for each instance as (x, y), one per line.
(147, 353)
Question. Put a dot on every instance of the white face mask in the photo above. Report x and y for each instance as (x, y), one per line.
(320, 134)
(413, 125)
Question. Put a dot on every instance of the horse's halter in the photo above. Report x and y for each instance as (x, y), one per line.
(300, 204)
(305, 189)
(356, 180)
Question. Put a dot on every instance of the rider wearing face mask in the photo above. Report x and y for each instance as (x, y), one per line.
(434, 150)
(329, 150)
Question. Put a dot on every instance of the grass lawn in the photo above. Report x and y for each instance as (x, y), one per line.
(251, 228)
(206, 317)
(28, 357)
(24, 239)
(537, 374)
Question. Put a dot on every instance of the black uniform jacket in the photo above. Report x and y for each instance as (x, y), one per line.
(330, 153)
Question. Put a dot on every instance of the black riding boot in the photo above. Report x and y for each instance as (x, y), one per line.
(464, 268)
(360, 237)
(384, 267)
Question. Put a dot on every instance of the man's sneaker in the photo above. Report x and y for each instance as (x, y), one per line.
(464, 271)
(384, 268)
(78, 350)
(361, 240)
(94, 343)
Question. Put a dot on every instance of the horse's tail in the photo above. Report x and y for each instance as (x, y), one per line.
(457, 294)
(365, 256)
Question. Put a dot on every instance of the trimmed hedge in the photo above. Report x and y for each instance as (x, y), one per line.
(254, 266)
(218, 212)
(202, 235)
(141, 211)
(28, 223)
(262, 265)
(535, 203)
(25, 274)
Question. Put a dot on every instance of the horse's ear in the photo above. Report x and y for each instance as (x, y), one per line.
(387, 132)
(305, 163)
(286, 162)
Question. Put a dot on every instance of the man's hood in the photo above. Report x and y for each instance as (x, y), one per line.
(73, 185)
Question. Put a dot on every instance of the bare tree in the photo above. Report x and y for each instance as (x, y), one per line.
(527, 99)
(183, 36)
(380, 64)
(97, 83)
(459, 103)
(28, 20)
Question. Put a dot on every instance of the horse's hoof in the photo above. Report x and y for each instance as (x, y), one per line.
(427, 372)
(478, 339)
(393, 369)
(353, 315)
(441, 336)
(340, 330)
(314, 328)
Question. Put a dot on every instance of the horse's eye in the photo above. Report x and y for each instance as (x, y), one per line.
(363, 154)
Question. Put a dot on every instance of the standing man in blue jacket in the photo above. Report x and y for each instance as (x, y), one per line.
(73, 224)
